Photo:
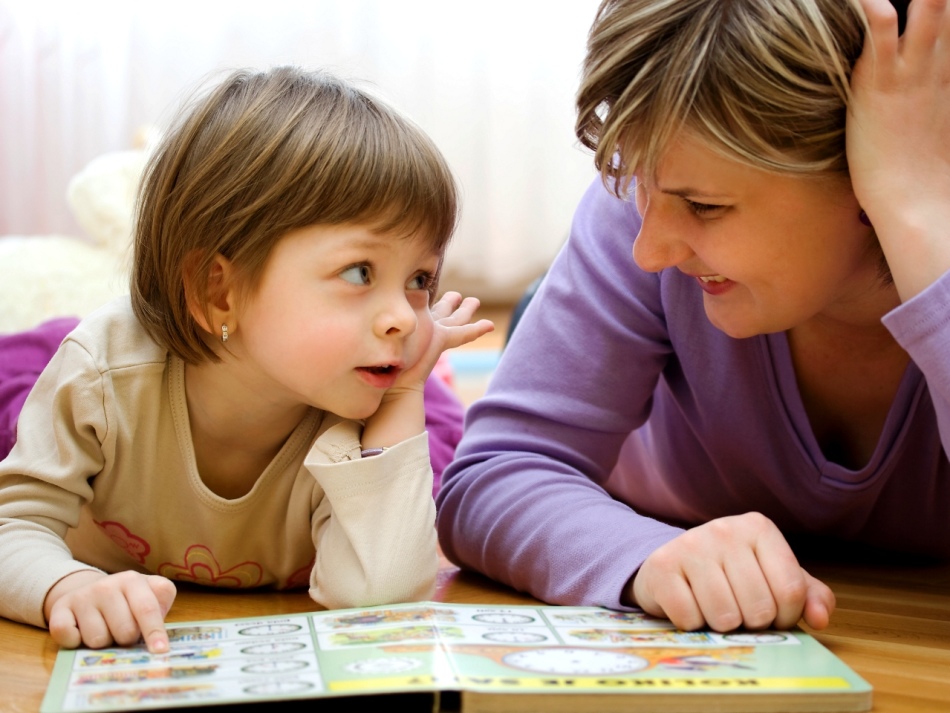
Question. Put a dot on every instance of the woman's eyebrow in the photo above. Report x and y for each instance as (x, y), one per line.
(688, 191)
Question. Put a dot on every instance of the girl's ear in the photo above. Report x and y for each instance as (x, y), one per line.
(215, 305)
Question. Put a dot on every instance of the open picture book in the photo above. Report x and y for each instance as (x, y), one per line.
(464, 657)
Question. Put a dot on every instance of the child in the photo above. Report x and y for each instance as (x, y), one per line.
(745, 338)
(253, 415)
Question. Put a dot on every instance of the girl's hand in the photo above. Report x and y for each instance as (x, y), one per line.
(96, 610)
(401, 414)
(731, 572)
(897, 146)
(452, 327)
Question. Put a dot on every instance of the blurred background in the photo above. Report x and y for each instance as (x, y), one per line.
(492, 82)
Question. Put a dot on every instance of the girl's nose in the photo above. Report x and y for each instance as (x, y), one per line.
(397, 318)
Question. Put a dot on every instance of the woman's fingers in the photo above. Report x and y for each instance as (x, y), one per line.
(729, 573)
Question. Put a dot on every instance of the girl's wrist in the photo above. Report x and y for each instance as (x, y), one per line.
(397, 419)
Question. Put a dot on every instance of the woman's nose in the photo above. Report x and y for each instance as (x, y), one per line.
(659, 244)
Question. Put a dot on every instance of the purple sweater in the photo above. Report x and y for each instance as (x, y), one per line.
(618, 409)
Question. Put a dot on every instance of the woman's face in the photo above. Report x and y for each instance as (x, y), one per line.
(769, 251)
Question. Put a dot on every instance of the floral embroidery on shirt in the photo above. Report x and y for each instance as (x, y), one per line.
(135, 546)
(201, 567)
(301, 578)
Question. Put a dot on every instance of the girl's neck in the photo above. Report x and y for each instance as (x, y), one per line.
(235, 432)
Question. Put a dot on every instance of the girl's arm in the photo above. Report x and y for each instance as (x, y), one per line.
(374, 532)
(43, 484)
(373, 529)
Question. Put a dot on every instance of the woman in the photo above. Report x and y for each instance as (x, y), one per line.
(771, 361)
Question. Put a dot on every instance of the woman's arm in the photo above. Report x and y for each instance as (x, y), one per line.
(525, 501)
(898, 139)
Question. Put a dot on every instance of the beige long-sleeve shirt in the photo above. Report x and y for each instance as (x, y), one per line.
(103, 476)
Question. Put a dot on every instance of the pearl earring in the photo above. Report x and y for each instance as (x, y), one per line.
(224, 333)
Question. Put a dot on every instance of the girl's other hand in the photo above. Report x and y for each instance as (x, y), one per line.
(728, 573)
(401, 413)
(96, 610)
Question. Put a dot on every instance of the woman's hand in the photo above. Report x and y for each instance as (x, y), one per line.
(898, 138)
(96, 610)
(731, 572)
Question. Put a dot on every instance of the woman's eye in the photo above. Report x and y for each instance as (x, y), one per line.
(701, 208)
(357, 275)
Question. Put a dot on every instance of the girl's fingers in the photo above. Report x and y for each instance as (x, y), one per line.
(63, 628)
(465, 333)
(147, 613)
(446, 305)
(93, 627)
(460, 312)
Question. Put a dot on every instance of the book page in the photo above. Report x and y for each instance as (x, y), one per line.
(433, 647)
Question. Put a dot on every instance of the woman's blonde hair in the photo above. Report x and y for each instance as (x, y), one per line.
(262, 154)
(765, 82)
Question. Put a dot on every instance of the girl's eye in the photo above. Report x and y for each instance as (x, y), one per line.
(701, 208)
(422, 281)
(357, 275)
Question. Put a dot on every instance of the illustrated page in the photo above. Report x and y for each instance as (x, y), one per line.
(439, 647)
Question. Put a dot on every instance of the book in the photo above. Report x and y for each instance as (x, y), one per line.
(470, 657)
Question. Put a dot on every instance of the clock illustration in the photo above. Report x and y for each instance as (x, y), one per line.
(515, 637)
(276, 647)
(572, 661)
(269, 629)
(276, 666)
(389, 665)
(503, 618)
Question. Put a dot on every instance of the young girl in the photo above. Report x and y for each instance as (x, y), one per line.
(772, 359)
(253, 416)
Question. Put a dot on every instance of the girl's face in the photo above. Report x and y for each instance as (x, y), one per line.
(768, 251)
(340, 310)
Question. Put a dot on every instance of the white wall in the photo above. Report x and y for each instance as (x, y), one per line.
(491, 81)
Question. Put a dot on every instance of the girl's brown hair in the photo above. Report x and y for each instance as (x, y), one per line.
(262, 154)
